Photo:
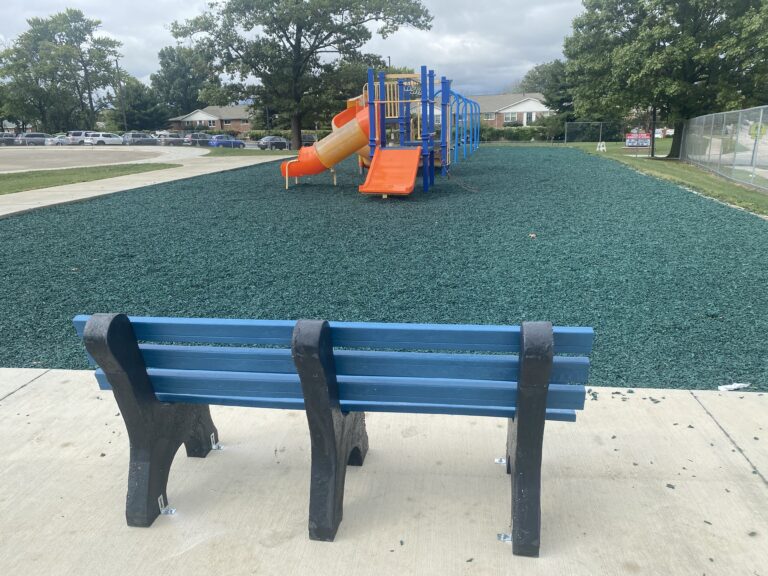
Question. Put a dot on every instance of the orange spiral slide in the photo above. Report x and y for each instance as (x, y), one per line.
(350, 134)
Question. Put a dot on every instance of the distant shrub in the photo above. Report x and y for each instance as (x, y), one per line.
(512, 134)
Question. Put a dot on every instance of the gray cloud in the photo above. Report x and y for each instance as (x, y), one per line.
(483, 46)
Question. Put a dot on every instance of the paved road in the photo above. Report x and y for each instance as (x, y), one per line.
(55, 157)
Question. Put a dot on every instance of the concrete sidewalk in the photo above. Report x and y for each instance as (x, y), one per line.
(651, 482)
(192, 164)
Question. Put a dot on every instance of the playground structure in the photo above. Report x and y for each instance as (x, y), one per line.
(391, 126)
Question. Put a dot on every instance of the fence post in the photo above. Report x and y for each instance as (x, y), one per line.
(722, 133)
(735, 146)
(758, 132)
(709, 148)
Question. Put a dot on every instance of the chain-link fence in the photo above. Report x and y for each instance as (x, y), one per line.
(732, 144)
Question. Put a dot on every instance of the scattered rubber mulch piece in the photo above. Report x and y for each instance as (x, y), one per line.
(672, 282)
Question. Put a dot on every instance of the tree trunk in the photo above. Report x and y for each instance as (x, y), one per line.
(296, 130)
(677, 139)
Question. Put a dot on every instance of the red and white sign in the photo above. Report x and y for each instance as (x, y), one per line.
(637, 140)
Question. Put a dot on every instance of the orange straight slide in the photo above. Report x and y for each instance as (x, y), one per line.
(393, 171)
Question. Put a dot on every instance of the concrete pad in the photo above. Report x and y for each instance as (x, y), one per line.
(429, 499)
(57, 157)
(11, 379)
(25, 158)
(20, 202)
(744, 416)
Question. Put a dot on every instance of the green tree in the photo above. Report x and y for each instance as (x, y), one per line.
(143, 108)
(184, 76)
(55, 71)
(289, 45)
(628, 55)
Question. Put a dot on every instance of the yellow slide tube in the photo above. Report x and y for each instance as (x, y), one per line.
(351, 135)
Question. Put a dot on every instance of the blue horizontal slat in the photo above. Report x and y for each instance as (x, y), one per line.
(249, 389)
(398, 336)
(350, 406)
(448, 392)
(214, 358)
(565, 370)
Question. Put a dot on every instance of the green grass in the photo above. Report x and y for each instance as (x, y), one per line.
(693, 177)
(672, 282)
(36, 179)
(223, 152)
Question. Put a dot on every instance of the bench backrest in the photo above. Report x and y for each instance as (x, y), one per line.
(381, 367)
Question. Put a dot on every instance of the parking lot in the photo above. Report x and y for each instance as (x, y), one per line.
(21, 159)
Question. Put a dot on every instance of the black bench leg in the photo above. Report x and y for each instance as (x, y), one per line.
(155, 430)
(337, 439)
(525, 436)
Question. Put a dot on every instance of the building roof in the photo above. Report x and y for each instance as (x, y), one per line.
(497, 102)
(220, 112)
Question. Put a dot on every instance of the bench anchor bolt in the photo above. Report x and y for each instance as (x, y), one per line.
(165, 510)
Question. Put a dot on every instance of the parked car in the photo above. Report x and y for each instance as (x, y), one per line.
(31, 139)
(308, 139)
(77, 137)
(225, 141)
(273, 143)
(102, 138)
(197, 139)
(170, 139)
(7, 139)
(138, 139)
(57, 140)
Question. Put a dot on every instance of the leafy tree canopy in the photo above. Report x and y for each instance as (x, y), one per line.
(186, 75)
(685, 58)
(141, 104)
(54, 72)
(290, 47)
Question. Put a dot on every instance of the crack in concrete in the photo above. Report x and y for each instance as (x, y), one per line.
(738, 448)
(24, 385)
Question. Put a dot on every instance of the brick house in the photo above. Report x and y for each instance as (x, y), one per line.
(235, 118)
(524, 108)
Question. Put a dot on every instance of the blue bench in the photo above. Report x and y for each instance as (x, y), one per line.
(165, 372)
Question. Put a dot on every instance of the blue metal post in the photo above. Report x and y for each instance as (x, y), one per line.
(471, 112)
(371, 112)
(455, 106)
(382, 109)
(478, 124)
(424, 128)
(445, 123)
(464, 127)
(401, 109)
(431, 127)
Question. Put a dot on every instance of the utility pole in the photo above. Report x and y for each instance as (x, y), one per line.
(653, 132)
(121, 95)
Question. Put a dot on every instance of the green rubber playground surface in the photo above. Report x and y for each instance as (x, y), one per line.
(675, 285)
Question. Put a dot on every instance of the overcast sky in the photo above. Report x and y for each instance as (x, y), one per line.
(483, 45)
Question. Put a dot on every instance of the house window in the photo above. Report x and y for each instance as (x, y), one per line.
(187, 122)
(211, 123)
(490, 116)
(437, 119)
(510, 117)
(530, 117)
(245, 121)
(227, 122)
